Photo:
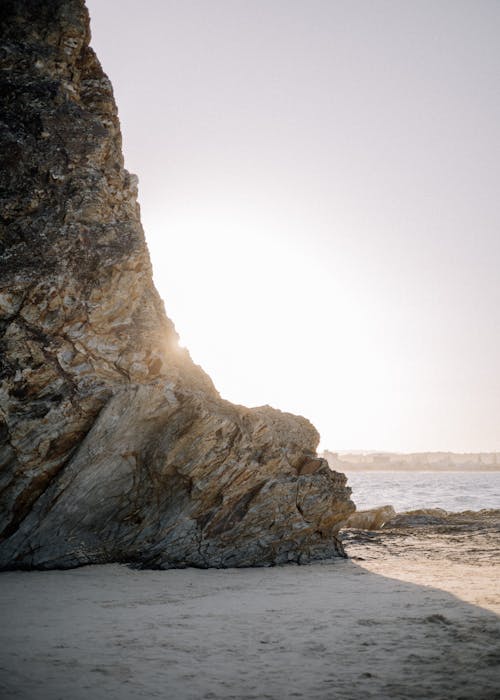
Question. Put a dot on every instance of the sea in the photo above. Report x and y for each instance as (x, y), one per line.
(452, 491)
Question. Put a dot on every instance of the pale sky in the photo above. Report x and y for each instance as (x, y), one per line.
(319, 187)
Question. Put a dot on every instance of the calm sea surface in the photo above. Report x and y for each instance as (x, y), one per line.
(453, 491)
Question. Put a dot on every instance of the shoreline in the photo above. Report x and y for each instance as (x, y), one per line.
(454, 492)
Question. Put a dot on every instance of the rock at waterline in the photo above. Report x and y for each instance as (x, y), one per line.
(371, 519)
(415, 518)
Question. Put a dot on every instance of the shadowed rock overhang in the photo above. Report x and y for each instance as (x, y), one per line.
(114, 445)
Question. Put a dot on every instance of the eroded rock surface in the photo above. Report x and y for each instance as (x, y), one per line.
(372, 519)
(114, 446)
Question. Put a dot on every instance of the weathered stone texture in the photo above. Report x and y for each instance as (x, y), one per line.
(114, 446)
(372, 519)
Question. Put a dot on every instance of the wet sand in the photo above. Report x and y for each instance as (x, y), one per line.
(413, 614)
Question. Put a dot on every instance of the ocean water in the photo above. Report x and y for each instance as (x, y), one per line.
(453, 491)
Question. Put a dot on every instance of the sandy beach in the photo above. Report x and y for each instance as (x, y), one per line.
(412, 614)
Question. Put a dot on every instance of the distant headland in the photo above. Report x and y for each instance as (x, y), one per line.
(415, 461)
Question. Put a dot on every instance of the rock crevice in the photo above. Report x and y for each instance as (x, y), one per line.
(114, 445)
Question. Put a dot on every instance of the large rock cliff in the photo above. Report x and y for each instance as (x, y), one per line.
(114, 446)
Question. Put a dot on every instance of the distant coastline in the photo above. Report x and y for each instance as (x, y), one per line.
(416, 461)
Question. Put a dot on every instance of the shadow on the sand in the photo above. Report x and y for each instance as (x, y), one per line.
(326, 631)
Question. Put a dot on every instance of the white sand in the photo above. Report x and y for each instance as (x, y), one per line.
(330, 631)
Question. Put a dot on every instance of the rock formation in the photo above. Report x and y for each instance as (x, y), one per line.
(114, 446)
(372, 519)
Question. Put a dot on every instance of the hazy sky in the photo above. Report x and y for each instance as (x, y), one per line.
(319, 185)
